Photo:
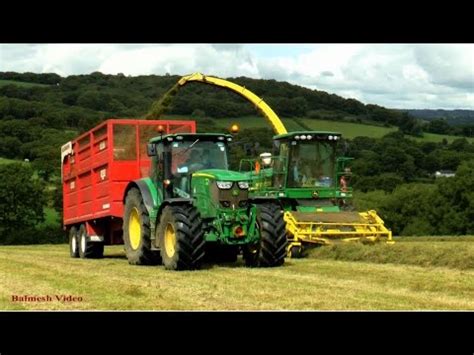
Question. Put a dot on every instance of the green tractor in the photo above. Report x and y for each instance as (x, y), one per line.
(311, 185)
(192, 205)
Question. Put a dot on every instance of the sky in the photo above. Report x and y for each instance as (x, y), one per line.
(422, 76)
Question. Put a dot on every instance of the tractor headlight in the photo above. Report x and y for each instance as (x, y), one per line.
(224, 185)
(243, 185)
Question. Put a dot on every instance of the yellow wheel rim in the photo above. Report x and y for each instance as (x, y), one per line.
(134, 229)
(170, 240)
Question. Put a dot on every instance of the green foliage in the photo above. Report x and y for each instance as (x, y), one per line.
(21, 202)
(445, 207)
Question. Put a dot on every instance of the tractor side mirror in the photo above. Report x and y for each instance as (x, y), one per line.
(151, 149)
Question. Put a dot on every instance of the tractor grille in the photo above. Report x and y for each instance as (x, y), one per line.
(233, 198)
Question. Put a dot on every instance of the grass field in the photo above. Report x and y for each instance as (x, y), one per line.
(20, 83)
(318, 282)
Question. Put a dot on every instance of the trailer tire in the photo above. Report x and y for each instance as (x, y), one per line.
(181, 237)
(273, 241)
(73, 242)
(88, 249)
(136, 231)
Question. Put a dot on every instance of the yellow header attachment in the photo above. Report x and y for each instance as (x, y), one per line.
(158, 107)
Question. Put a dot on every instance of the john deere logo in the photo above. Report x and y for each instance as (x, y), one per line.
(235, 192)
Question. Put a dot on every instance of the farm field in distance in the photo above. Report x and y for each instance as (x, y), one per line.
(348, 129)
(419, 273)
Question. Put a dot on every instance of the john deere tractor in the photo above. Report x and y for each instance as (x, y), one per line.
(192, 205)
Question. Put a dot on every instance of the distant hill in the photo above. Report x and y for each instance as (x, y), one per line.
(79, 101)
(453, 117)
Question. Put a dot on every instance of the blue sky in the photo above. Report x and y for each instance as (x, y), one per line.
(435, 76)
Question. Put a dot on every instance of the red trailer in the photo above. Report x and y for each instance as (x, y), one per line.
(96, 168)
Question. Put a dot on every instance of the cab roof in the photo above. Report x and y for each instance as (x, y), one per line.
(291, 135)
(224, 137)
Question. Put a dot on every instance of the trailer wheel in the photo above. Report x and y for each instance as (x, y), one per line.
(73, 243)
(136, 231)
(181, 237)
(88, 249)
(273, 240)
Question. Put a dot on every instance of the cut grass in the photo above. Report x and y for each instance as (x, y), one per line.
(316, 284)
(451, 252)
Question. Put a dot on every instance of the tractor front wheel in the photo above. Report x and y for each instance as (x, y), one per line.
(273, 240)
(136, 231)
(181, 237)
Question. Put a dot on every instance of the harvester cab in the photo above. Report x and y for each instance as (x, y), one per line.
(313, 187)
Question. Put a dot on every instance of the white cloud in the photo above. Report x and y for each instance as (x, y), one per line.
(402, 76)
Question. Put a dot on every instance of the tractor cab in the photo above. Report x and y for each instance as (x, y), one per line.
(176, 157)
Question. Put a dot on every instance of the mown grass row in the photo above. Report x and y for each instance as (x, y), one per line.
(314, 284)
(451, 252)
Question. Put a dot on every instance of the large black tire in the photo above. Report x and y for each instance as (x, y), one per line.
(88, 249)
(73, 243)
(181, 238)
(136, 231)
(273, 240)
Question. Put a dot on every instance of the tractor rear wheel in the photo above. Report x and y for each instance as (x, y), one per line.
(181, 237)
(73, 243)
(136, 231)
(273, 240)
(88, 249)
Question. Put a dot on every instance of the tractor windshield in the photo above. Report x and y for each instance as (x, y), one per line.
(311, 164)
(190, 156)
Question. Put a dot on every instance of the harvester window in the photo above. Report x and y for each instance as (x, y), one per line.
(312, 165)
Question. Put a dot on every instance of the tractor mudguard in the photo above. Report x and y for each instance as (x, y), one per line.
(145, 186)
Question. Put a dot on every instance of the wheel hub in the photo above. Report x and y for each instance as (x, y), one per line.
(170, 240)
(134, 229)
